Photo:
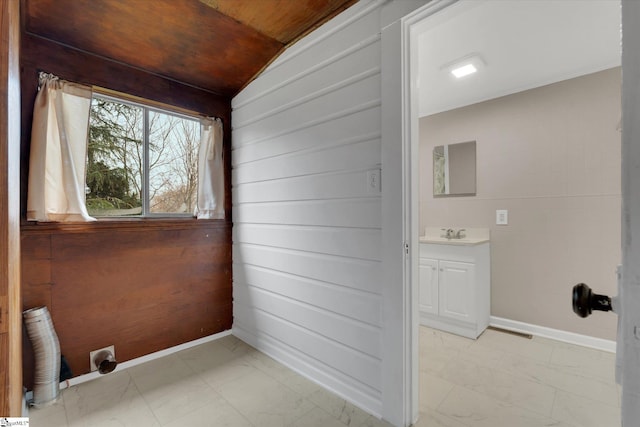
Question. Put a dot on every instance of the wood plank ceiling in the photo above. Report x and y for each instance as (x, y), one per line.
(216, 45)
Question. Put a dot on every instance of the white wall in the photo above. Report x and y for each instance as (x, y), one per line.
(307, 227)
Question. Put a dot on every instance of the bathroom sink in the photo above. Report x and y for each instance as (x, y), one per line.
(444, 241)
(472, 236)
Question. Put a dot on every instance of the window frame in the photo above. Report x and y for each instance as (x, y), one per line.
(146, 109)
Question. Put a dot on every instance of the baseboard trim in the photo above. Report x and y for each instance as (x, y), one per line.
(310, 369)
(554, 334)
(143, 359)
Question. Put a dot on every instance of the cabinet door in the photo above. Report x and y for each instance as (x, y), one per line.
(457, 291)
(428, 285)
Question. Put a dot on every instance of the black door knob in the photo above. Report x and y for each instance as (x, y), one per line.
(584, 301)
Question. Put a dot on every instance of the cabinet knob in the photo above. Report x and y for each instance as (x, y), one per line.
(584, 301)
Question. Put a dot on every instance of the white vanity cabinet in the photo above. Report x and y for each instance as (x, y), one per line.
(428, 285)
(455, 287)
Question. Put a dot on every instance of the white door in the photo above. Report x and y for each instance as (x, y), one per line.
(428, 286)
(456, 290)
(629, 325)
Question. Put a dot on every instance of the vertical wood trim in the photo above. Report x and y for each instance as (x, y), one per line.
(10, 318)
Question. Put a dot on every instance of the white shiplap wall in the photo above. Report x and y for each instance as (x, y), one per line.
(307, 228)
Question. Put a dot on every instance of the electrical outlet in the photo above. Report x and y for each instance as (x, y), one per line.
(92, 354)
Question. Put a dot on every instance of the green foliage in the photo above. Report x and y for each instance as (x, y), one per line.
(108, 188)
(115, 170)
(112, 156)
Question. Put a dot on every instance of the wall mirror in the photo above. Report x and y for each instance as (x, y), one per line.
(454, 169)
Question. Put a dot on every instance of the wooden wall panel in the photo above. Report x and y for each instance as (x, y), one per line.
(10, 318)
(142, 290)
(36, 289)
(142, 285)
(36, 270)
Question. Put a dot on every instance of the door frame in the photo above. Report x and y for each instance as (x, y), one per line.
(629, 316)
(629, 321)
(400, 375)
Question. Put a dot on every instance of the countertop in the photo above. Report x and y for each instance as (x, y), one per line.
(444, 241)
(473, 236)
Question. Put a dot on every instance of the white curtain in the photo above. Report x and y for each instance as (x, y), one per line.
(210, 171)
(59, 132)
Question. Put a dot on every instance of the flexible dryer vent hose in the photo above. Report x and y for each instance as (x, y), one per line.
(46, 347)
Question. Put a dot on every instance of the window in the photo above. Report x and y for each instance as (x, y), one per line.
(120, 158)
(141, 161)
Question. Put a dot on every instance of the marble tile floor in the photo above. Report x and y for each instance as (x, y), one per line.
(499, 380)
(504, 380)
(221, 383)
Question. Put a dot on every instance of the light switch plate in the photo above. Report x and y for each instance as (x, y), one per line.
(373, 181)
(502, 217)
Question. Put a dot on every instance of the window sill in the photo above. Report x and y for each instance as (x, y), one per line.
(121, 224)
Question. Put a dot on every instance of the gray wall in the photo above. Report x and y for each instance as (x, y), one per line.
(551, 156)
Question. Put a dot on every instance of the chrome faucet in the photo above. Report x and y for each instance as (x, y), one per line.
(450, 233)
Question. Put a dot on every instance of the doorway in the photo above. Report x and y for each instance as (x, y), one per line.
(555, 189)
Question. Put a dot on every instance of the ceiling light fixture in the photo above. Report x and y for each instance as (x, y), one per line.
(464, 70)
(464, 66)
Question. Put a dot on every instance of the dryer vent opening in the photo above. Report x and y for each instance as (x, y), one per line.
(103, 360)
